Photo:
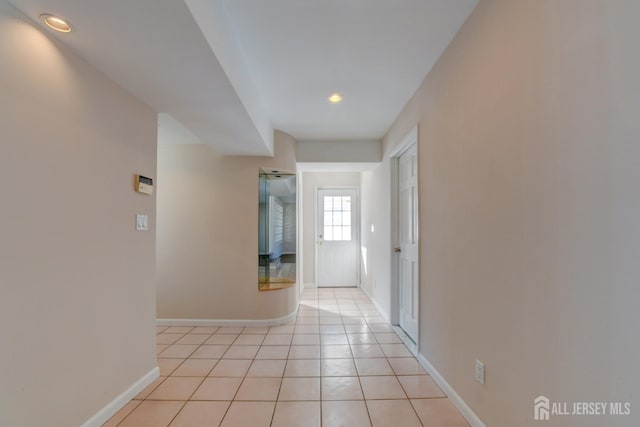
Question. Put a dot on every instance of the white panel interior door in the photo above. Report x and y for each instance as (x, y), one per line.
(337, 237)
(408, 280)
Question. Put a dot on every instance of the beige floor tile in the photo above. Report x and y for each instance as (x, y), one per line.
(334, 339)
(204, 329)
(267, 368)
(341, 388)
(214, 351)
(395, 350)
(366, 350)
(306, 339)
(379, 327)
(195, 368)
(382, 387)
(175, 388)
(241, 352)
(249, 339)
(370, 366)
(249, 414)
(273, 352)
(331, 323)
(387, 338)
(178, 329)
(304, 352)
(193, 339)
(351, 318)
(302, 368)
(300, 389)
(438, 413)
(332, 329)
(282, 329)
(361, 338)
(330, 320)
(214, 388)
(357, 329)
(200, 414)
(165, 338)
(420, 386)
(308, 321)
(369, 311)
(148, 389)
(256, 330)
(296, 414)
(167, 366)
(161, 328)
(259, 389)
(278, 339)
(152, 414)
(345, 414)
(335, 352)
(337, 368)
(406, 366)
(222, 339)
(178, 351)
(306, 329)
(351, 315)
(229, 330)
(121, 414)
(385, 413)
(231, 368)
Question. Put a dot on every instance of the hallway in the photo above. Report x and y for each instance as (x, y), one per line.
(338, 364)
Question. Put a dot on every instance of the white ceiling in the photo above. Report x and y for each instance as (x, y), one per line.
(231, 71)
(375, 52)
(155, 50)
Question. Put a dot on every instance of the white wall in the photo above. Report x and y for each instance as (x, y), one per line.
(339, 151)
(376, 235)
(529, 167)
(207, 247)
(77, 294)
(310, 182)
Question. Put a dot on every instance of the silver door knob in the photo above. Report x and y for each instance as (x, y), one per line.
(397, 250)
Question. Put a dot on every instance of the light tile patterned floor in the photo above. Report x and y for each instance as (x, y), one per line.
(338, 364)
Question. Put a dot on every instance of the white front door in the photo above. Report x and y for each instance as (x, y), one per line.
(408, 279)
(337, 237)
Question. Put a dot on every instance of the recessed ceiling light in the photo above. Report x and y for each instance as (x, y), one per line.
(335, 98)
(56, 23)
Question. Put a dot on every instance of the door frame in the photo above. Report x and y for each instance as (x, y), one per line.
(410, 138)
(315, 229)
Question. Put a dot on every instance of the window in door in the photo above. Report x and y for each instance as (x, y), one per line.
(337, 218)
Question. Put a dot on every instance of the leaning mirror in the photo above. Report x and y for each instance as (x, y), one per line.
(276, 230)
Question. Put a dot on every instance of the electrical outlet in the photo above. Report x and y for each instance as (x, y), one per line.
(479, 371)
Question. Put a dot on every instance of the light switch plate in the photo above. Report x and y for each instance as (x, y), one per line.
(479, 374)
(142, 222)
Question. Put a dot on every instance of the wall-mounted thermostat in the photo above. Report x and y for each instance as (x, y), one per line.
(144, 185)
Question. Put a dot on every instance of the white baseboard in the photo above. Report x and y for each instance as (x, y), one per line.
(454, 397)
(116, 404)
(228, 322)
(309, 285)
